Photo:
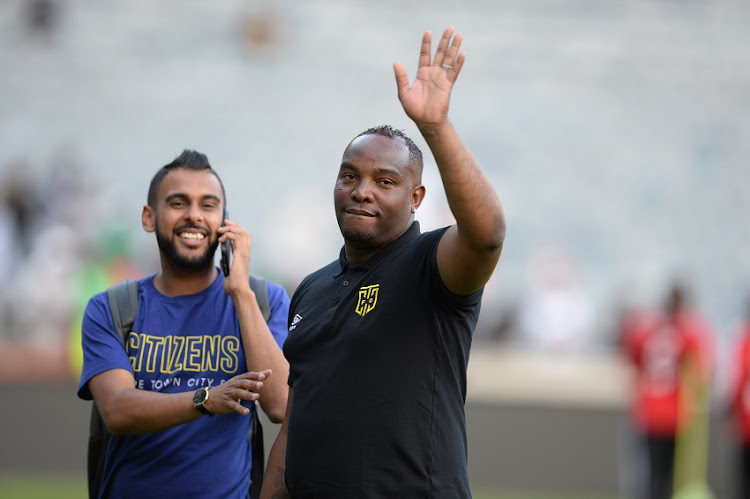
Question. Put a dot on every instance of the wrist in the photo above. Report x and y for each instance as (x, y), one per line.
(241, 293)
(431, 130)
(200, 397)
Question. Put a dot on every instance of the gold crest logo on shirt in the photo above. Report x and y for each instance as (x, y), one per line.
(368, 298)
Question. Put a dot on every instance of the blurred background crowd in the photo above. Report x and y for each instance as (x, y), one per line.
(616, 134)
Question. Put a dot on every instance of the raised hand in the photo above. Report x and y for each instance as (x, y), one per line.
(427, 100)
(241, 243)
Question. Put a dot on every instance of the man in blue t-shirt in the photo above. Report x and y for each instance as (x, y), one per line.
(177, 395)
(379, 339)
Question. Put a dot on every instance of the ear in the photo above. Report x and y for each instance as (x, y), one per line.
(148, 219)
(417, 196)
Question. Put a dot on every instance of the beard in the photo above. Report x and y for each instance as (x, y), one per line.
(359, 239)
(173, 256)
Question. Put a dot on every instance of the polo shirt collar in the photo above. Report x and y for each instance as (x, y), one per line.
(411, 234)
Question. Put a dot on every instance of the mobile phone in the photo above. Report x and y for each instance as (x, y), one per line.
(226, 251)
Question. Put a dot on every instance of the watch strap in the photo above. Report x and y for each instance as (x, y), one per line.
(203, 410)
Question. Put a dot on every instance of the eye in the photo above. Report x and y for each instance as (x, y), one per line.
(386, 181)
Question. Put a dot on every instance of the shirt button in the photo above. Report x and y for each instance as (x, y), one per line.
(345, 283)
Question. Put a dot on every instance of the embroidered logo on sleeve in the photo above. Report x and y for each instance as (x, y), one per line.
(368, 298)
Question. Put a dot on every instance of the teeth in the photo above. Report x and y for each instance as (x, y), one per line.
(190, 235)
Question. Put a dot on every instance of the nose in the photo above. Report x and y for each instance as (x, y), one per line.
(194, 213)
(362, 192)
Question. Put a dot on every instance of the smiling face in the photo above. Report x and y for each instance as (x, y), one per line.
(188, 210)
(376, 194)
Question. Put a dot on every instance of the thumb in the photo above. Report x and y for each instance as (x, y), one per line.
(402, 80)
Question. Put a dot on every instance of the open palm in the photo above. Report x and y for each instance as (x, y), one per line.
(427, 100)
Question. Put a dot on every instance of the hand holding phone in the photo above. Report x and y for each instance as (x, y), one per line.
(226, 251)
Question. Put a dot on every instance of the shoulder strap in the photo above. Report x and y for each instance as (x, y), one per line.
(260, 288)
(123, 303)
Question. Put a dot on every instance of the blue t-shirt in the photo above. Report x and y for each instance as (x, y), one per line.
(177, 344)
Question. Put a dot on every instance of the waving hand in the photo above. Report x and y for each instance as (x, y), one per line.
(427, 99)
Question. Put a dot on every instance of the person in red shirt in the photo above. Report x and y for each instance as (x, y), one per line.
(740, 405)
(670, 352)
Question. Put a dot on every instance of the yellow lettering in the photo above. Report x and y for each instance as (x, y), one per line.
(211, 352)
(229, 359)
(174, 354)
(133, 345)
(171, 354)
(153, 347)
(193, 353)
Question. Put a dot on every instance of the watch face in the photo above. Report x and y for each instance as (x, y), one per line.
(199, 396)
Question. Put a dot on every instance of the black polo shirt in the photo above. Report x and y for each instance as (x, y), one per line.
(378, 355)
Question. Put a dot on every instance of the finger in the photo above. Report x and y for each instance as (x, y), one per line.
(249, 394)
(239, 395)
(236, 235)
(442, 47)
(424, 51)
(402, 79)
(255, 375)
(246, 385)
(453, 74)
(450, 56)
(238, 407)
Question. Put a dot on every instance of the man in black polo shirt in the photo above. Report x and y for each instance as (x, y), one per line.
(379, 339)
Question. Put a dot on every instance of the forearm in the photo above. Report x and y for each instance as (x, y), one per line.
(479, 215)
(261, 353)
(274, 481)
(274, 485)
(132, 412)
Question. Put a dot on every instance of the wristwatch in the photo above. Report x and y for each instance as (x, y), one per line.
(199, 398)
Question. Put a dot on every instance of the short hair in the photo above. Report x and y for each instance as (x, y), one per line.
(415, 155)
(189, 160)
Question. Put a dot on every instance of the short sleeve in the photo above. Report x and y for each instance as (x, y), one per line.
(278, 300)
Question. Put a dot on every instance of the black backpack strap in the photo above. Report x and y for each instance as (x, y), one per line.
(259, 457)
(98, 440)
(123, 304)
(260, 288)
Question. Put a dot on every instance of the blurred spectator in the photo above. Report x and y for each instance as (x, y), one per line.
(671, 351)
(557, 314)
(21, 197)
(42, 17)
(740, 405)
(7, 241)
(68, 194)
(57, 242)
(7, 260)
(505, 324)
(51, 222)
